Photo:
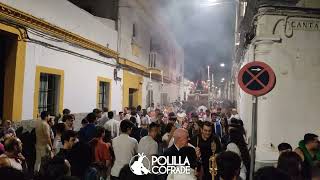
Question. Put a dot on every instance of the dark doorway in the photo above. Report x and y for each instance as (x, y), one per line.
(132, 97)
(7, 43)
(2, 71)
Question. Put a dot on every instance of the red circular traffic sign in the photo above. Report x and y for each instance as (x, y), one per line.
(256, 78)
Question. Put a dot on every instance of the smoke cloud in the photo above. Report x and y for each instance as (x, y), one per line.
(205, 32)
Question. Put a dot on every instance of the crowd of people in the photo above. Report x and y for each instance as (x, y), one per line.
(105, 144)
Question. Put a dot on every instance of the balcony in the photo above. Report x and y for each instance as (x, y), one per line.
(154, 71)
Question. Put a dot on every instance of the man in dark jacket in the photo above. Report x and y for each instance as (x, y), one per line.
(88, 132)
(207, 142)
(180, 140)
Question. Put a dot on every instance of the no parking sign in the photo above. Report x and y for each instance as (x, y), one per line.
(256, 78)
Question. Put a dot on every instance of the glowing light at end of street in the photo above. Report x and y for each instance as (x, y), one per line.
(222, 65)
(210, 3)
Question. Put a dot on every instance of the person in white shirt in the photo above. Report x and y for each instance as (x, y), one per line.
(234, 114)
(168, 136)
(57, 143)
(112, 125)
(104, 117)
(147, 145)
(145, 119)
(125, 147)
(64, 112)
(68, 121)
(138, 120)
(151, 108)
(201, 115)
(127, 113)
(207, 116)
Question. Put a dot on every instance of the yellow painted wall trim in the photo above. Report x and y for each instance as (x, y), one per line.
(142, 70)
(132, 64)
(47, 70)
(13, 91)
(28, 20)
(154, 71)
(103, 79)
(135, 50)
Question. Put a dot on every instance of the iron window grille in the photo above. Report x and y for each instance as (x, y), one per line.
(104, 89)
(48, 93)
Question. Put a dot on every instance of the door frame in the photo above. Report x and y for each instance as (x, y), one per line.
(14, 75)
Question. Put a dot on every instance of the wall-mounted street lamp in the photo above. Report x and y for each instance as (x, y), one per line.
(115, 74)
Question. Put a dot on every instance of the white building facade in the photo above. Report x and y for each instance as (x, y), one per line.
(286, 40)
(146, 41)
(58, 55)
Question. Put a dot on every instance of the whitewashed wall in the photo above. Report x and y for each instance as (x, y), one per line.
(291, 109)
(80, 78)
(309, 3)
(131, 12)
(81, 75)
(128, 17)
(66, 15)
(171, 89)
(80, 83)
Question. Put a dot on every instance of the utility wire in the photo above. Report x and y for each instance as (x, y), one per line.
(26, 38)
(56, 48)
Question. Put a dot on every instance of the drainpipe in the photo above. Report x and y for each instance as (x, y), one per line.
(119, 30)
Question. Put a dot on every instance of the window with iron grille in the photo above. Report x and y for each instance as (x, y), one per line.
(134, 30)
(149, 98)
(164, 98)
(152, 59)
(104, 90)
(48, 93)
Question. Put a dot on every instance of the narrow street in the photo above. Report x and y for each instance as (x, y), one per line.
(159, 89)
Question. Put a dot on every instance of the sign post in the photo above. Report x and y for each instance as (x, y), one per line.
(253, 135)
(257, 79)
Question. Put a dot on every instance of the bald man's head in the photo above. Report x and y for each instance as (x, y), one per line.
(181, 137)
